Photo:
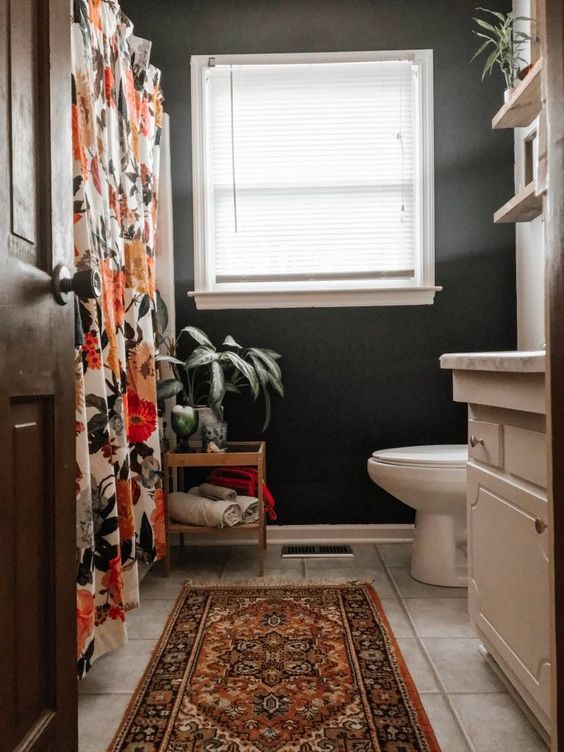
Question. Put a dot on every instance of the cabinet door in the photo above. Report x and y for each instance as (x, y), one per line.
(509, 576)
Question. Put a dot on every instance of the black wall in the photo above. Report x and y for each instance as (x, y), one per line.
(357, 379)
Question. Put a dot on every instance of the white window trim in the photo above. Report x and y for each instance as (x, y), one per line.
(420, 291)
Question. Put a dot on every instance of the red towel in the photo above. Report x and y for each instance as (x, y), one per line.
(244, 480)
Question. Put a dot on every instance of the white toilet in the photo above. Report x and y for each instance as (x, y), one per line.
(432, 480)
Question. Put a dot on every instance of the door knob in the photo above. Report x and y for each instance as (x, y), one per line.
(474, 441)
(540, 525)
(85, 284)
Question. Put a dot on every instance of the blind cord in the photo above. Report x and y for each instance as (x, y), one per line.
(400, 139)
(233, 175)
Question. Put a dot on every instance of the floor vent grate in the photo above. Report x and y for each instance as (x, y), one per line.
(317, 552)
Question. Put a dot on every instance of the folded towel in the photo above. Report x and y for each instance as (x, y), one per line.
(195, 510)
(244, 479)
(209, 491)
(249, 508)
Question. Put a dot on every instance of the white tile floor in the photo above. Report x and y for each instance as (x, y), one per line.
(467, 705)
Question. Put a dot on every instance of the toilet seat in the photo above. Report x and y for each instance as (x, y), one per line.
(434, 456)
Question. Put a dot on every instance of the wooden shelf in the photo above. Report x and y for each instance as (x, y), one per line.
(179, 527)
(238, 453)
(523, 207)
(524, 103)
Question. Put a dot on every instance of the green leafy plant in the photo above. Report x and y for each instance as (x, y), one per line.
(210, 373)
(503, 44)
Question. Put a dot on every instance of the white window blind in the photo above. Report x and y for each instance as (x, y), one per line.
(312, 174)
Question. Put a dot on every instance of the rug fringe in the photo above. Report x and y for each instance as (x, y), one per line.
(274, 580)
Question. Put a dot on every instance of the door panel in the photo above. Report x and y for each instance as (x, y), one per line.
(23, 119)
(38, 697)
(508, 592)
(33, 583)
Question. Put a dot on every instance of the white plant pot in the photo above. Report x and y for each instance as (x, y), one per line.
(208, 418)
(507, 95)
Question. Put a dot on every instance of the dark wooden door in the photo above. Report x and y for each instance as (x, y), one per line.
(38, 695)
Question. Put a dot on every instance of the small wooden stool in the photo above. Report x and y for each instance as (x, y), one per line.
(240, 454)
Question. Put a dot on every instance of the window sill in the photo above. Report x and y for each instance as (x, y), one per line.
(390, 296)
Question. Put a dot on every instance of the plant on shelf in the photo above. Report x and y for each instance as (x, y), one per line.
(209, 373)
(503, 44)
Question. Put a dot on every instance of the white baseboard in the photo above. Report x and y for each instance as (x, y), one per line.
(288, 534)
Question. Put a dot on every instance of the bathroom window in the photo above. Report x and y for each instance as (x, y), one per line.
(313, 179)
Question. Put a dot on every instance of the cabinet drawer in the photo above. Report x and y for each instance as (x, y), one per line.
(525, 455)
(485, 442)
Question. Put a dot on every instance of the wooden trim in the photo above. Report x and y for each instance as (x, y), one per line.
(210, 296)
(552, 34)
(289, 534)
(320, 298)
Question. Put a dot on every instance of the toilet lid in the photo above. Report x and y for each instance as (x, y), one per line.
(437, 455)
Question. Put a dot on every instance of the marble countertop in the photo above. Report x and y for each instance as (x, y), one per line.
(508, 361)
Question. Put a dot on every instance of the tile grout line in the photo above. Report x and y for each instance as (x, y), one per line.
(442, 689)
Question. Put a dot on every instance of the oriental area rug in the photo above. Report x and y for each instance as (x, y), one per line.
(282, 668)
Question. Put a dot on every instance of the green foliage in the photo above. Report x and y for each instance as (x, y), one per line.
(503, 44)
(209, 373)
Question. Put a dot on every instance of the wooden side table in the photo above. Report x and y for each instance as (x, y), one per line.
(241, 454)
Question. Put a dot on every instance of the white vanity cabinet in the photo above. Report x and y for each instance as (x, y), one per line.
(508, 555)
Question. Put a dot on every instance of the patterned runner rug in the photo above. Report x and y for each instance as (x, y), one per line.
(284, 668)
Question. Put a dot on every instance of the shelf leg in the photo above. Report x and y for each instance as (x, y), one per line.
(166, 488)
(262, 521)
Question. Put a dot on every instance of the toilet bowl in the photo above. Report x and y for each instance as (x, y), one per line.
(431, 480)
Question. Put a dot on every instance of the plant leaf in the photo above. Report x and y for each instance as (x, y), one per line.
(267, 410)
(488, 65)
(268, 361)
(277, 385)
(481, 49)
(160, 358)
(496, 13)
(485, 24)
(162, 313)
(260, 369)
(168, 388)
(201, 357)
(230, 387)
(217, 387)
(272, 353)
(230, 342)
(200, 336)
(245, 368)
(265, 376)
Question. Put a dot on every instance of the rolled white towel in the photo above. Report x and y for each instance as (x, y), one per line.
(249, 508)
(209, 491)
(195, 510)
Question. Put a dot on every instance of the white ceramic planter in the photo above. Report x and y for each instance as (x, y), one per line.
(208, 418)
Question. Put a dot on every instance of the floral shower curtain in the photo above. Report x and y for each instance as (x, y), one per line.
(116, 121)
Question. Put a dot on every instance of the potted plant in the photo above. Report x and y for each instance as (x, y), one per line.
(209, 372)
(503, 45)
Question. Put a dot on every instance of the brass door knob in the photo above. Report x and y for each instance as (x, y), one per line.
(85, 284)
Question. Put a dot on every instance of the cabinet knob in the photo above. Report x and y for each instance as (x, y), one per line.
(474, 441)
(540, 525)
